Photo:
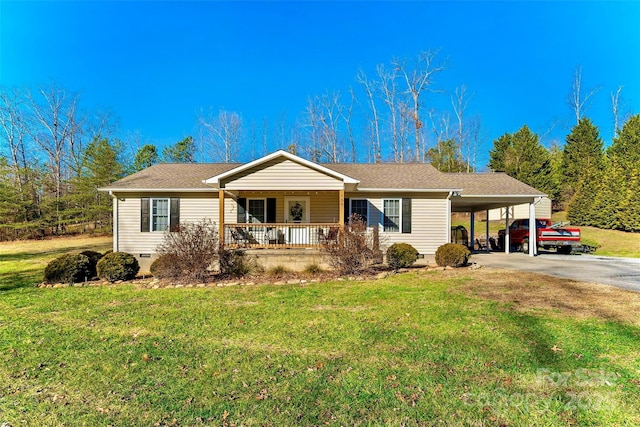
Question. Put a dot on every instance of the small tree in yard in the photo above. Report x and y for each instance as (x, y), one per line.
(192, 249)
(353, 248)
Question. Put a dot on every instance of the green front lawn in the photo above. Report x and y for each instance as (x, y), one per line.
(414, 349)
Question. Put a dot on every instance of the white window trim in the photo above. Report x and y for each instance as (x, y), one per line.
(368, 208)
(154, 199)
(399, 214)
(246, 210)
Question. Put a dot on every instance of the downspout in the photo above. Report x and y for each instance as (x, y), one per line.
(115, 221)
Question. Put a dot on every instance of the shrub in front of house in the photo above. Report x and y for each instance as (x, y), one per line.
(193, 247)
(165, 267)
(68, 268)
(401, 255)
(452, 255)
(352, 249)
(235, 263)
(116, 266)
(94, 257)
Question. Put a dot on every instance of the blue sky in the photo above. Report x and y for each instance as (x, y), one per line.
(155, 64)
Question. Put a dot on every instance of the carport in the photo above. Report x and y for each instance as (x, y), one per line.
(486, 191)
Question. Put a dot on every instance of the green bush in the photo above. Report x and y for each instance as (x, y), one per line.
(68, 268)
(235, 263)
(165, 267)
(401, 255)
(94, 257)
(116, 266)
(452, 255)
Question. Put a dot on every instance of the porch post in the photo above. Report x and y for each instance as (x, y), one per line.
(507, 234)
(221, 217)
(533, 230)
(472, 230)
(341, 207)
(486, 242)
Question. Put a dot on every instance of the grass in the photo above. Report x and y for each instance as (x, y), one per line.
(22, 263)
(450, 347)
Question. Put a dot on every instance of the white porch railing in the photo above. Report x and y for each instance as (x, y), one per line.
(280, 235)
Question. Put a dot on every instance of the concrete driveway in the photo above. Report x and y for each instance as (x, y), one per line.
(621, 272)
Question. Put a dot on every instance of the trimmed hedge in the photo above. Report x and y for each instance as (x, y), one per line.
(68, 268)
(452, 255)
(165, 267)
(94, 257)
(116, 266)
(401, 255)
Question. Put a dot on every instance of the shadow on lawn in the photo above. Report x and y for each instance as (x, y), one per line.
(10, 281)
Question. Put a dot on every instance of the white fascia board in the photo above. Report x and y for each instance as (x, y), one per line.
(408, 190)
(519, 196)
(281, 153)
(158, 190)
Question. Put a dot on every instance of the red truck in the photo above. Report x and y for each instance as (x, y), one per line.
(549, 235)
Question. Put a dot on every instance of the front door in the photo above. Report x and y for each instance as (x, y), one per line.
(296, 211)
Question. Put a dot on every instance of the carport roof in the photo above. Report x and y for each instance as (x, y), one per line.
(482, 191)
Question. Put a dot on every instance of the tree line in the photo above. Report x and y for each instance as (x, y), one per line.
(598, 187)
(55, 153)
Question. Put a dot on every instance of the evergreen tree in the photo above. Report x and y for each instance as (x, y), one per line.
(445, 157)
(625, 160)
(609, 196)
(497, 156)
(181, 152)
(100, 167)
(523, 157)
(145, 157)
(582, 165)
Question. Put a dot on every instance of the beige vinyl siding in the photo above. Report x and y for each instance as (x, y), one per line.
(543, 210)
(324, 204)
(193, 207)
(428, 219)
(282, 175)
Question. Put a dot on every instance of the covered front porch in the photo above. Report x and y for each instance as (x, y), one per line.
(280, 219)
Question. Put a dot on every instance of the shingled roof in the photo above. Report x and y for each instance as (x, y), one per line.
(490, 184)
(415, 176)
(172, 176)
(377, 176)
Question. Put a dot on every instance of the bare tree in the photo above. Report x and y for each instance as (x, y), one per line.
(323, 113)
(221, 135)
(615, 106)
(346, 112)
(578, 102)
(389, 94)
(375, 120)
(14, 131)
(418, 79)
(56, 129)
(460, 102)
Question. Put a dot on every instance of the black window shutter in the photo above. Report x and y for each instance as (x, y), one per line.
(271, 210)
(174, 219)
(144, 214)
(347, 214)
(406, 215)
(242, 210)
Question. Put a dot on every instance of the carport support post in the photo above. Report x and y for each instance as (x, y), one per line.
(507, 234)
(533, 231)
(472, 231)
(486, 242)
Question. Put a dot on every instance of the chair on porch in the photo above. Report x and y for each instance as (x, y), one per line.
(332, 234)
(241, 236)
